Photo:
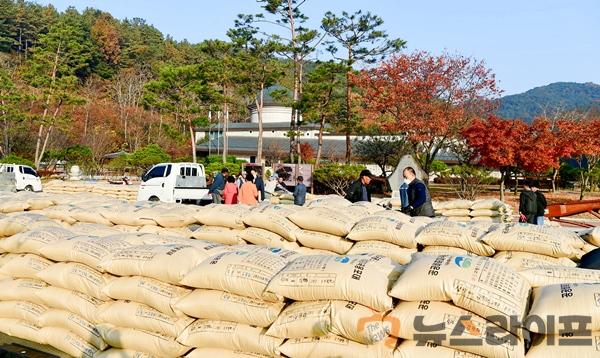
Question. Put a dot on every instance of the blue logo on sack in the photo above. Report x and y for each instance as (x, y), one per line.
(275, 250)
(342, 259)
(463, 262)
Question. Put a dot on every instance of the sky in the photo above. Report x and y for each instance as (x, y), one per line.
(526, 43)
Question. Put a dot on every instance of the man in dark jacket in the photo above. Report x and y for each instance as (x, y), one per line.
(260, 184)
(359, 190)
(527, 204)
(217, 186)
(541, 203)
(300, 192)
(419, 199)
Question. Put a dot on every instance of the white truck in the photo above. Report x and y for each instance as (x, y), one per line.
(25, 177)
(173, 183)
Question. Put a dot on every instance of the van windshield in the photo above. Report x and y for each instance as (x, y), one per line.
(156, 172)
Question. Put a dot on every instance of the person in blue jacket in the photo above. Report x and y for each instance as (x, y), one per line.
(419, 199)
(216, 189)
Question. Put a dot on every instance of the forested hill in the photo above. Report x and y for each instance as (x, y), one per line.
(563, 96)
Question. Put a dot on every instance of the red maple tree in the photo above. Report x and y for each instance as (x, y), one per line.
(497, 144)
(429, 99)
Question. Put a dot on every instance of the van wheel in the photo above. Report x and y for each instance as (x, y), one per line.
(28, 188)
(154, 198)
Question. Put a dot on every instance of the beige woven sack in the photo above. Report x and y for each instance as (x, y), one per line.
(445, 250)
(452, 324)
(129, 314)
(478, 284)
(12, 225)
(167, 263)
(259, 236)
(565, 346)
(68, 342)
(149, 291)
(273, 218)
(386, 229)
(72, 301)
(21, 289)
(321, 219)
(456, 212)
(364, 279)
(229, 335)
(525, 260)
(74, 323)
(224, 306)
(401, 255)
(415, 349)
(23, 330)
(484, 213)
(323, 241)
(244, 272)
(32, 240)
(539, 277)
(489, 204)
(22, 310)
(84, 249)
(231, 216)
(124, 353)
(448, 233)
(554, 303)
(544, 240)
(319, 318)
(77, 277)
(593, 236)
(334, 346)
(222, 353)
(24, 265)
(220, 234)
(141, 341)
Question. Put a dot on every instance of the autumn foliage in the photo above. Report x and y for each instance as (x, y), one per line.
(430, 99)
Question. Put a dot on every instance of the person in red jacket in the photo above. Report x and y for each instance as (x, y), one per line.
(230, 192)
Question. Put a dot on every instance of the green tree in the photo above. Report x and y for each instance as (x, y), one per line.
(145, 157)
(381, 150)
(323, 98)
(183, 92)
(259, 69)
(337, 177)
(298, 43)
(360, 38)
(15, 159)
(11, 114)
(60, 60)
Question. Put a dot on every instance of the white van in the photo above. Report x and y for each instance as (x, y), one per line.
(173, 183)
(26, 178)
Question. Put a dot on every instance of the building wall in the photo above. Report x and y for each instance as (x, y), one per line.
(273, 114)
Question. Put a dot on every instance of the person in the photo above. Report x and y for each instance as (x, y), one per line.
(217, 186)
(541, 203)
(359, 190)
(419, 199)
(300, 192)
(248, 193)
(404, 195)
(230, 192)
(260, 184)
(280, 187)
(240, 179)
(527, 204)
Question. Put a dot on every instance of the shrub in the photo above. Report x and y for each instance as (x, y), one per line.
(15, 159)
(337, 177)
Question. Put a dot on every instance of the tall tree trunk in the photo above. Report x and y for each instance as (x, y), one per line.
(584, 179)
(348, 106)
(5, 139)
(554, 177)
(226, 132)
(259, 110)
(296, 75)
(38, 144)
(502, 179)
(320, 141)
(192, 139)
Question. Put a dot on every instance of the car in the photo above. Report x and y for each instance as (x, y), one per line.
(26, 178)
(174, 183)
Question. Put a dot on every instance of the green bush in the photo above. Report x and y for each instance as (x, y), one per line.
(145, 157)
(15, 159)
(337, 177)
(214, 163)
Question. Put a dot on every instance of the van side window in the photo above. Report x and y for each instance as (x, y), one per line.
(194, 172)
(28, 170)
(182, 171)
(168, 170)
(156, 172)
